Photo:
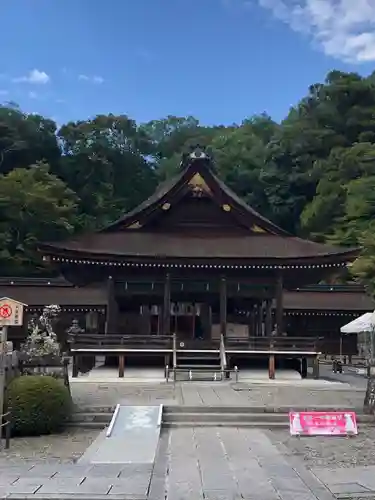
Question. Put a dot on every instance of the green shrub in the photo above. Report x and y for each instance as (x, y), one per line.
(39, 405)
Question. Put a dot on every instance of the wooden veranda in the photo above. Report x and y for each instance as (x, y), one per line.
(85, 346)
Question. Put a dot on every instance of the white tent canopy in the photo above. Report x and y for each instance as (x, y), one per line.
(363, 324)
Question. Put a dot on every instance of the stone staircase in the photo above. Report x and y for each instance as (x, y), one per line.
(237, 416)
(211, 416)
(92, 417)
(198, 366)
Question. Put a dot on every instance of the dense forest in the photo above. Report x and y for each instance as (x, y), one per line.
(313, 174)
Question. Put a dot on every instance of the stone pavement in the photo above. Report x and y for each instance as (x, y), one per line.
(194, 463)
(353, 483)
(234, 464)
(304, 393)
(75, 481)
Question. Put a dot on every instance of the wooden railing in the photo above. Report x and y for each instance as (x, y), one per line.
(117, 341)
(300, 344)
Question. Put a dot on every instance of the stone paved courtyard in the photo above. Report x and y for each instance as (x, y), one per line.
(216, 463)
(311, 393)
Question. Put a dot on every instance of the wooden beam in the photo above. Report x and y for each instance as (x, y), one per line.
(223, 306)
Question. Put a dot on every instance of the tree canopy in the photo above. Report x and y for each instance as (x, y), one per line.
(313, 174)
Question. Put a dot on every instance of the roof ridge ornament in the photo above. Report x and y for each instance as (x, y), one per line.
(194, 153)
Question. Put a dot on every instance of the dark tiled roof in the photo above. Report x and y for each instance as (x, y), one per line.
(163, 245)
(117, 241)
(159, 193)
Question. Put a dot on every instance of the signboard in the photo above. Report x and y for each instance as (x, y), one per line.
(319, 423)
(11, 312)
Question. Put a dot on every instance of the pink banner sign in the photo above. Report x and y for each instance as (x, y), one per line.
(319, 423)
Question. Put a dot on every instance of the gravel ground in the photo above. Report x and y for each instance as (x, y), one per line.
(56, 448)
(328, 452)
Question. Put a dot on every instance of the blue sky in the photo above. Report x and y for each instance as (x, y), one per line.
(219, 60)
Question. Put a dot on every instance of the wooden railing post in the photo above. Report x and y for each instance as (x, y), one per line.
(271, 361)
(223, 358)
(174, 351)
(8, 428)
(121, 361)
(66, 373)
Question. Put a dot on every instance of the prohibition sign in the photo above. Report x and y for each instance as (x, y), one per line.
(5, 311)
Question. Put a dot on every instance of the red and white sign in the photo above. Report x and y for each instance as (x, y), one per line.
(11, 312)
(5, 311)
(316, 423)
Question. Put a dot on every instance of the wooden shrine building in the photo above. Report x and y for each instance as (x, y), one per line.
(181, 267)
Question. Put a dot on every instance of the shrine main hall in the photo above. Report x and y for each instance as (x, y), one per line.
(194, 272)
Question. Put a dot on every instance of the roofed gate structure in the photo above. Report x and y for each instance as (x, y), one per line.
(186, 261)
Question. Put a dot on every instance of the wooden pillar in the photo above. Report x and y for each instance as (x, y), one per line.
(260, 318)
(112, 308)
(303, 367)
(223, 306)
(121, 365)
(268, 326)
(254, 321)
(316, 367)
(279, 305)
(271, 366)
(75, 366)
(167, 306)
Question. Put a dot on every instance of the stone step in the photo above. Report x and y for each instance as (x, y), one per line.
(198, 356)
(254, 424)
(87, 424)
(202, 376)
(95, 409)
(91, 417)
(197, 368)
(253, 409)
(226, 417)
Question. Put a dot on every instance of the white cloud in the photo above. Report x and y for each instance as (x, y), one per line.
(35, 77)
(92, 79)
(344, 29)
(33, 95)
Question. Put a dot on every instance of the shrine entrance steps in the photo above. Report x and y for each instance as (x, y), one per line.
(197, 366)
(213, 416)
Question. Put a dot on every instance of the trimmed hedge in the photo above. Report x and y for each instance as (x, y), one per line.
(40, 404)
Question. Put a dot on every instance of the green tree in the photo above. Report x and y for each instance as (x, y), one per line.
(344, 204)
(26, 139)
(34, 206)
(106, 163)
(335, 114)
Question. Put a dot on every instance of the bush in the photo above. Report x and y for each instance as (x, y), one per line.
(39, 405)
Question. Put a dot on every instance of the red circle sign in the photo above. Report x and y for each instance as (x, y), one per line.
(5, 311)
